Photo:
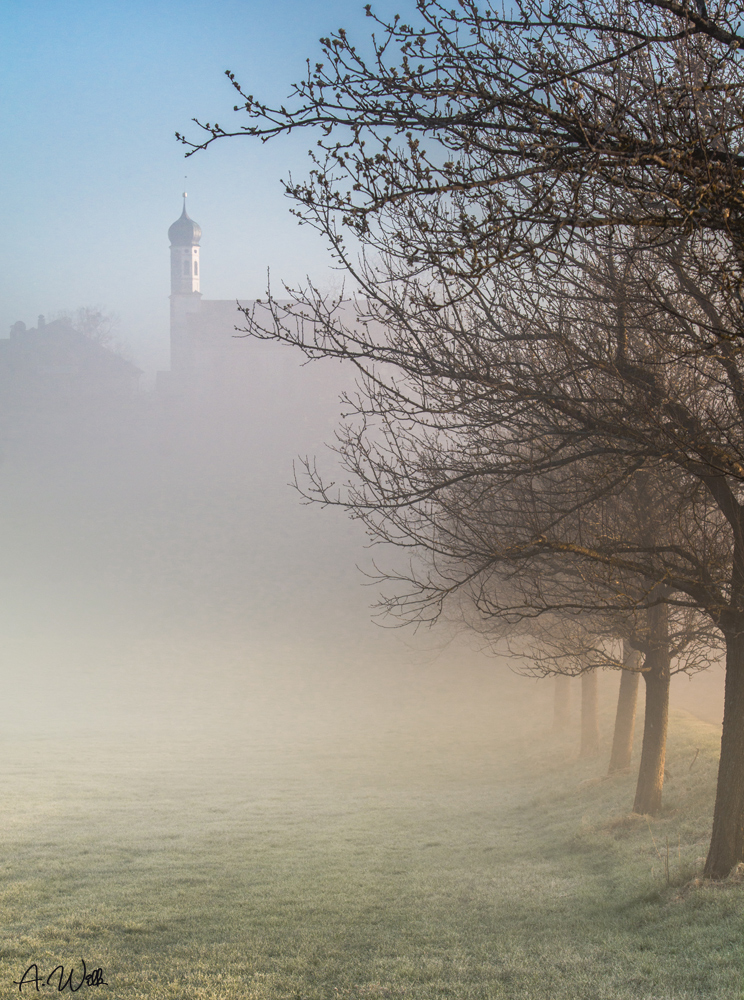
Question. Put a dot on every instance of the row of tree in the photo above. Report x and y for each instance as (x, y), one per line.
(541, 210)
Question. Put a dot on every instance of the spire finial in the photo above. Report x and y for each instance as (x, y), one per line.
(184, 232)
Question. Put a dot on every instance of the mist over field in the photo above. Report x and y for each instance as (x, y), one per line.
(222, 777)
(159, 570)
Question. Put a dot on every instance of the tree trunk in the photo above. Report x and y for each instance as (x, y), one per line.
(589, 714)
(657, 677)
(726, 842)
(627, 699)
(561, 702)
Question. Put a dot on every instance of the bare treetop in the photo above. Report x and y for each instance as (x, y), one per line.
(538, 121)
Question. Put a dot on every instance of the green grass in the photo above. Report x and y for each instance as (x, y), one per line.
(449, 865)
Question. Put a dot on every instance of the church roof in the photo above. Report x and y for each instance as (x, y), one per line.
(184, 232)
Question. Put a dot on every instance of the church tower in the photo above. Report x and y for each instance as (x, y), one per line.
(185, 298)
(184, 236)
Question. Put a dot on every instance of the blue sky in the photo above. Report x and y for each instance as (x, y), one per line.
(93, 91)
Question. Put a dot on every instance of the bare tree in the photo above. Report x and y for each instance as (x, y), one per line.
(542, 120)
(622, 739)
(95, 323)
(500, 307)
(613, 372)
(673, 641)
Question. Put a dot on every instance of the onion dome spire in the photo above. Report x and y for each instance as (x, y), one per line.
(184, 232)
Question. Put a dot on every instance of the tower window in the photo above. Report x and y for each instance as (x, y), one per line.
(196, 267)
(186, 269)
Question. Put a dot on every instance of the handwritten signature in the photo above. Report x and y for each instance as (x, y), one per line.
(32, 976)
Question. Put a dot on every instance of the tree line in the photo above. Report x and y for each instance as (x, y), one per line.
(540, 211)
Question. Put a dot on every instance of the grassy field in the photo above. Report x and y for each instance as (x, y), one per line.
(404, 864)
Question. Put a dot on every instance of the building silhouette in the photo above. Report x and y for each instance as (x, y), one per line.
(55, 363)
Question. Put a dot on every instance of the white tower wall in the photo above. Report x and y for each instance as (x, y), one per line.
(185, 268)
(185, 297)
